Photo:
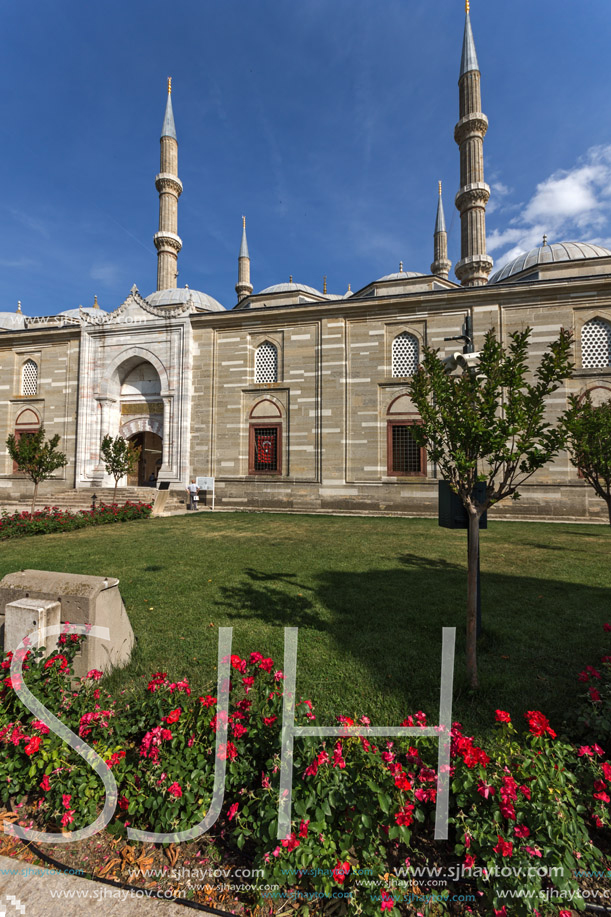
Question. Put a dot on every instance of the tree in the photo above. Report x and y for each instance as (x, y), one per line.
(120, 457)
(36, 457)
(489, 424)
(588, 432)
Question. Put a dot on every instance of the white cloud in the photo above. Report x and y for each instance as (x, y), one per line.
(106, 273)
(570, 203)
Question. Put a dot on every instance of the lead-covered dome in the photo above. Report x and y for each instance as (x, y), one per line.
(546, 254)
(12, 321)
(291, 288)
(400, 275)
(181, 296)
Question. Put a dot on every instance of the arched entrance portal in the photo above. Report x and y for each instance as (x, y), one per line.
(150, 445)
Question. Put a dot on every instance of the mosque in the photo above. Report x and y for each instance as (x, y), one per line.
(295, 398)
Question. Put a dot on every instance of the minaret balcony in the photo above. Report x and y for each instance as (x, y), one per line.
(474, 124)
(166, 181)
(167, 241)
(474, 195)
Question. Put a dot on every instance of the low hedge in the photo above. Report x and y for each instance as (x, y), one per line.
(54, 519)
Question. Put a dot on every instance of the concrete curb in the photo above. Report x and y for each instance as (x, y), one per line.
(39, 891)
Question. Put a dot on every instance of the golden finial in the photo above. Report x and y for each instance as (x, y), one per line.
(95, 302)
(400, 267)
(290, 278)
(243, 222)
(349, 288)
(169, 85)
(324, 284)
(439, 189)
(18, 307)
(467, 6)
(545, 240)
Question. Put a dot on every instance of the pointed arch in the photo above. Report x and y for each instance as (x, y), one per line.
(596, 344)
(29, 378)
(405, 354)
(266, 363)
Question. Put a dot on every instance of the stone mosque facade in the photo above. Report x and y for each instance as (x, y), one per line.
(297, 399)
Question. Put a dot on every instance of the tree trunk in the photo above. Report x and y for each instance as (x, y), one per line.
(609, 508)
(114, 496)
(473, 554)
(34, 495)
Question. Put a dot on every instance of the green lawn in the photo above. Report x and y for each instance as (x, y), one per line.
(370, 597)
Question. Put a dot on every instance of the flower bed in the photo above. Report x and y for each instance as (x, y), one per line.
(362, 811)
(54, 519)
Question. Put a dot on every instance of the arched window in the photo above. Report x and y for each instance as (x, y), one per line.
(405, 457)
(596, 344)
(266, 363)
(27, 423)
(265, 439)
(29, 378)
(405, 354)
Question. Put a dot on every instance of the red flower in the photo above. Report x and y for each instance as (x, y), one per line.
(404, 817)
(175, 790)
(303, 827)
(505, 848)
(232, 811)
(290, 842)
(485, 789)
(44, 784)
(502, 716)
(174, 716)
(607, 770)
(508, 811)
(228, 752)
(248, 682)
(521, 831)
(123, 803)
(267, 665)
(594, 695)
(341, 871)
(62, 665)
(239, 664)
(33, 745)
(469, 861)
(207, 701)
(388, 902)
(607, 627)
(539, 724)
(312, 770)
(269, 720)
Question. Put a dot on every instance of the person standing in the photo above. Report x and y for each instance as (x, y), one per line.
(192, 490)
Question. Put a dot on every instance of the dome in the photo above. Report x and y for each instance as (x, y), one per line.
(88, 310)
(400, 275)
(12, 321)
(181, 296)
(290, 288)
(544, 254)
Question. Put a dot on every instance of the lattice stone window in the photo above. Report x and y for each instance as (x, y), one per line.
(29, 378)
(266, 363)
(596, 344)
(405, 354)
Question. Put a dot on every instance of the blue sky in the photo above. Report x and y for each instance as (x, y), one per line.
(327, 122)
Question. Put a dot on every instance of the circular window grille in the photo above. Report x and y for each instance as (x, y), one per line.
(596, 344)
(404, 355)
(29, 383)
(266, 363)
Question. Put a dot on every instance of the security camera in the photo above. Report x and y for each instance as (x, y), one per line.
(450, 364)
(467, 360)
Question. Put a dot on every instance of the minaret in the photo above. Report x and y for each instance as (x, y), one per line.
(243, 287)
(475, 265)
(167, 241)
(441, 266)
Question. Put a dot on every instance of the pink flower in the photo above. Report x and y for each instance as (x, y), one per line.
(607, 627)
(508, 811)
(485, 789)
(67, 818)
(44, 784)
(501, 913)
(388, 902)
(533, 851)
(66, 800)
(175, 790)
(521, 831)
(311, 771)
(265, 781)
(232, 811)
(248, 681)
(584, 750)
(269, 720)
(95, 674)
(597, 749)
(303, 827)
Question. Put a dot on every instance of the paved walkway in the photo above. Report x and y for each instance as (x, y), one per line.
(38, 891)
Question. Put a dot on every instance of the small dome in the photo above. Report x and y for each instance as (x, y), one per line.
(291, 288)
(12, 321)
(544, 254)
(401, 275)
(181, 296)
(88, 310)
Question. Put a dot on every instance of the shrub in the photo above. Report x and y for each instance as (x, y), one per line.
(54, 519)
(361, 811)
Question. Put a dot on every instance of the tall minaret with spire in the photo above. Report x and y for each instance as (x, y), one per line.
(243, 287)
(475, 265)
(441, 265)
(167, 241)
